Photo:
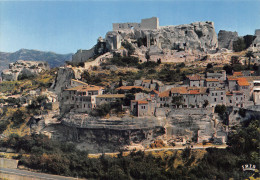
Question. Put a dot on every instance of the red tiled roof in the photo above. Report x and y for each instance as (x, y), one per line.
(195, 91)
(84, 88)
(146, 81)
(129, 87)
(180, 90)
(156, 92)
(140, 101)
(242, 82)
(237, 74)
(165, 94)
(194, 77)
(212, 80)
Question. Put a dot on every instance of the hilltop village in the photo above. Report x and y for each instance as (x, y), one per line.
(183, 85)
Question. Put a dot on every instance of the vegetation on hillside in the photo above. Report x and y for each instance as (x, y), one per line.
(54, 157)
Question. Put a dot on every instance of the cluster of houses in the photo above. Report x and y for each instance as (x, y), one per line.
(197, 91)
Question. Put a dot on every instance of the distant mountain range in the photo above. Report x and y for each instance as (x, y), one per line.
(52, 58)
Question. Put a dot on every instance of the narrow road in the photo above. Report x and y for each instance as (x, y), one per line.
(33, 175)
(167, 148)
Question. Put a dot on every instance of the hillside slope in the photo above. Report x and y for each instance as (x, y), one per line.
(52, 58)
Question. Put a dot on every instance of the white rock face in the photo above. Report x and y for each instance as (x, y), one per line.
(226, 39)
(24, 69)
(195, 36)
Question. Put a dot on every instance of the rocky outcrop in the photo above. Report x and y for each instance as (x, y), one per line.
(195, 36)
(83, 55)
(24, 69)
(226, 39)
(63, 79)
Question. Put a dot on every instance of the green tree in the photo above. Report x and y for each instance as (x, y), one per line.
(18, 118)
(129, 47)
(177, 100)
(248, 39)
(239, 45)
(249, 55)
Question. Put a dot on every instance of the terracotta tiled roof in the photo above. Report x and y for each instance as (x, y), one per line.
(165, 94)
(237, 74)
(129, 87)
(156, 92)
(242, 82)
(79, 81)
(180, 90)
(195, 91)
(232, 78)
(84, 88)
(194, 77)
(146, 81)
(111, 96)
(140, 101)
(212, 80)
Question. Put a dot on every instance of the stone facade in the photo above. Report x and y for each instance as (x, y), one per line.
(148, 24)
(256, 42)
(226, 39)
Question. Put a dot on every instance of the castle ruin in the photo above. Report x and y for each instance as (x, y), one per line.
(146, 24)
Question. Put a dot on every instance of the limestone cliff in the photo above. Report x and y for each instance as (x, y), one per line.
(198, 36)
(226, 39)
(24, 69)
(195, 36)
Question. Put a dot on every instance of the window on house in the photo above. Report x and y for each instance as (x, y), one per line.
(221, 93)
(212, 94)
(215, 99)
(221, 98)
(230, 101)
(216, 94)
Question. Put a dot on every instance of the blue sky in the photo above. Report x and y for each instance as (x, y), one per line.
(66, 26)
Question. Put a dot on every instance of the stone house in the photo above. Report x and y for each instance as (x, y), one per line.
(149, 84)
(126, 89)
(140, 108)
(217, 96)
(235, 98)
(256, 92)
(194, 81)
(212, 83)
(108, 98)
(217, 75)
(81, 98)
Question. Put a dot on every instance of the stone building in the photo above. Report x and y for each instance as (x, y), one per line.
(217, 75)
(256, 42)
(109, 98)
(146, 24)
(256, 92)
(81, 98)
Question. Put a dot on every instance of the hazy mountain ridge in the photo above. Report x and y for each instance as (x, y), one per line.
(52, 58)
